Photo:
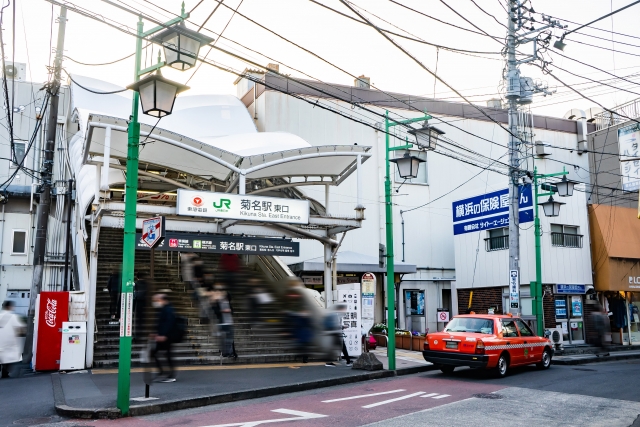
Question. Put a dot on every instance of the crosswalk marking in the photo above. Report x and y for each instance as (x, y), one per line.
(363, 395)
(384, 402)
(429, 395)
(442, 396)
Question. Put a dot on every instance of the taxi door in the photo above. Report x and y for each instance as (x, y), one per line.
(513, 341)
(532, 352)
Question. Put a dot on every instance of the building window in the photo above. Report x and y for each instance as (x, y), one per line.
(18, 152)
(565, 235)
(19, 242)
(498, 239)
(422, 169)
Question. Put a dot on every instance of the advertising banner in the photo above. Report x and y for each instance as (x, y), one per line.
(240, 206)
(490, 210)
(352, 320)
(368, 283)
(628, 139)
(222, 244)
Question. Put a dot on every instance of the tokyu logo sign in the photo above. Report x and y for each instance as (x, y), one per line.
(242, 207)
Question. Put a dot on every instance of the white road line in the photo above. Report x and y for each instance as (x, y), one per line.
(442, 396)
(298, 416)
(384, 402)
(429, 395)
(363, 395)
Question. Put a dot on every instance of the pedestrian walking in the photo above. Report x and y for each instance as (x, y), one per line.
(11, 328)
(341, 309)
(221, 306)
(163, 337)
(140, 295)
(113, 286)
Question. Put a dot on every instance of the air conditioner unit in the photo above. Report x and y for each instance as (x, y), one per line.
(556, 337)
(15, 71)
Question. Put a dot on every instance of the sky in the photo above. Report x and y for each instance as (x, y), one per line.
(332, 48)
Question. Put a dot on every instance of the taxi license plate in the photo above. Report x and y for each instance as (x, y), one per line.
(451, 344)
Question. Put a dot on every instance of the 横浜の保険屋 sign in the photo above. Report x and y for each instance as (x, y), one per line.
(490, 210)
(242, 207)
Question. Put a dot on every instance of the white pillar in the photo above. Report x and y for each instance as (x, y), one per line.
(326, 198)
(328, 280)
(241, 183)
(359, 183)
(104, 182)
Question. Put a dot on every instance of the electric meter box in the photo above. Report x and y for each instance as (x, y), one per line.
(74, 345)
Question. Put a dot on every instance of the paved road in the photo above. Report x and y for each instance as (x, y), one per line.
(602, 394)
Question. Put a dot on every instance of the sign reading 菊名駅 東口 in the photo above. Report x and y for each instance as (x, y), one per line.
(490, 210)
(243, 207)
(219, 243)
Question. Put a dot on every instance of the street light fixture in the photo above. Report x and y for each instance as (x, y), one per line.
(551, 207)
(157, 94)
(565, 187)
(181, 45)
(427, 136)
(408, 165)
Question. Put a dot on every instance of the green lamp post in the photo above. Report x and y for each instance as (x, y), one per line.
(425, 139)
(551, 208)
(157, 95)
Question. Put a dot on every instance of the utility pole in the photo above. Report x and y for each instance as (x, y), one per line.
(513, 93)
(46, 173)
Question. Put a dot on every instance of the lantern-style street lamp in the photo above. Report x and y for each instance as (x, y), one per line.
(407, 165)
(565, 187)
(157, 94)
(427, 136)
(551, 207)
(181, 45)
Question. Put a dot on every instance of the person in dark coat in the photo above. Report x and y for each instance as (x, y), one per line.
(223, 310)
(162, 337)
(114, 285)
(140, 301)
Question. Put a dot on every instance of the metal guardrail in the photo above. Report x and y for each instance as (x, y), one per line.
(496, 243)
(618, 115)
(566, 240)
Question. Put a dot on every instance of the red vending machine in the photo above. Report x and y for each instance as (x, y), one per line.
(53, 309)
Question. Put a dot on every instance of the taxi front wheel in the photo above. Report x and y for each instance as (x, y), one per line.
(502, 367)
(545, 362)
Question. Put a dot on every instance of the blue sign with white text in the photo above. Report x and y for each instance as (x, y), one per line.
(570, 289)
(483, 212)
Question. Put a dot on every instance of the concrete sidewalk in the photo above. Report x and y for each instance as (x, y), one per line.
(578, 359)
(92, 394)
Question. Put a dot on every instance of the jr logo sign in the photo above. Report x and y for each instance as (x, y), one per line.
(222, 202)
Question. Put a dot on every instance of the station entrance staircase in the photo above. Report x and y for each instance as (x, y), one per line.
(267, 343)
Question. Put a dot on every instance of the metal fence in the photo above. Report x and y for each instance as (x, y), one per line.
(496, 243)
(566, 240)
(617, 115)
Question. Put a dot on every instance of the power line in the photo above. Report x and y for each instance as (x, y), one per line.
(91, 90)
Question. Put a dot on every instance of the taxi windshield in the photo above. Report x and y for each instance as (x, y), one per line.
(470, 324)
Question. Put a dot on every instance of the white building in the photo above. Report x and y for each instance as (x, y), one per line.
(422, 216)
(18, 166)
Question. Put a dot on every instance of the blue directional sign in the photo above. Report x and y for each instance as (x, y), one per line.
(490, 210)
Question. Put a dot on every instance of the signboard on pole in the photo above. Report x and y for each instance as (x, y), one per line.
(222, 244)
(153, 231)
(242, 207)
(490, 210)
(514, 289)
(351, 320)
(368, 300)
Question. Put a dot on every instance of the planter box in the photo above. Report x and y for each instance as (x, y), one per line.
(381, 339)
(403, 342)
(418, 343)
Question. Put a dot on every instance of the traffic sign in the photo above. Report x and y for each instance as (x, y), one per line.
(153, 231)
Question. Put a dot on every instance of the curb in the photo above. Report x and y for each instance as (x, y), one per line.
(173, 405)
(594, 359)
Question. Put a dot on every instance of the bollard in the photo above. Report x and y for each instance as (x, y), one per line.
(146, 391)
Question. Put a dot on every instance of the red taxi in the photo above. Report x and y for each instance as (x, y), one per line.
(487, 341)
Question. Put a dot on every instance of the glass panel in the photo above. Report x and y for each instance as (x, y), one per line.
(576, 306)
(555, 228)
(147, 96)
(570, 230)
(470, 324)
(526, 304)
(19, 242)
(524, 328)
(189, 50)
(18, 148)
(166, 95)
(577, 330)
(561, 308)
(171, 48)
(509, 329)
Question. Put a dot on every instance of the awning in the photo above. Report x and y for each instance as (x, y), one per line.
(351, 262)
(615, 248)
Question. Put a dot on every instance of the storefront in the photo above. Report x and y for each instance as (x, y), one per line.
(615, 247)
(569, 302)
